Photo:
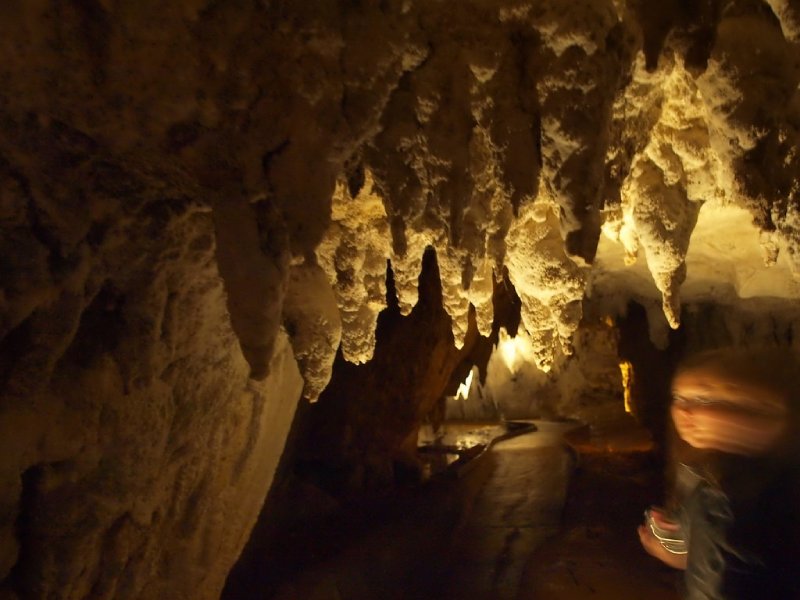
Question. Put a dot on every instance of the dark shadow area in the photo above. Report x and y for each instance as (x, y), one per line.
(653, 369)
(350, 464)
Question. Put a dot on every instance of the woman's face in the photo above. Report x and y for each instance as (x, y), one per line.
(712, 412)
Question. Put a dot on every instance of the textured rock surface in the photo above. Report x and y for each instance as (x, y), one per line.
(602, 111)
(136, 451)
(315, 328)
(363, 431)
(353, 254)
(179, 180)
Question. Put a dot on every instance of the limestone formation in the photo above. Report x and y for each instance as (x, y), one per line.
(136, 449)
(312, 320)
(354, 254)
(190, 189)
(550, 286)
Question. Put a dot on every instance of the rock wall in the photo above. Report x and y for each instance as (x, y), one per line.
(136, 451)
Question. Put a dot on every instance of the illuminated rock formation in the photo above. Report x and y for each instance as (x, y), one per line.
(353, 254)
(132, 434)
(190, 190)
(550, 286)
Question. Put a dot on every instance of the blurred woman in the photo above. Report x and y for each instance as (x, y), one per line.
(735, 525)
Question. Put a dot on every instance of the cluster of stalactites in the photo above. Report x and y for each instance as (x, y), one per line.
(484, 155)
(355, 251)
(512, 147)
(726, 133)
(353, 254)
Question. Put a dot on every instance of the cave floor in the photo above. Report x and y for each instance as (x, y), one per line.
(516, 510)
(559, 522)
(547, 515)
(596, 553)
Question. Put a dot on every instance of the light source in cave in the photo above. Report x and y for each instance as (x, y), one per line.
(626, 370)
(463, 388)
(514, 350)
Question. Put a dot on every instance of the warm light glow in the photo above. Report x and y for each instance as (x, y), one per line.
(626, 369)
(508, 350)
(463, 389)
(513, 350)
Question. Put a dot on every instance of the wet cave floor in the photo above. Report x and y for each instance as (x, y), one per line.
(596, 553)
(549, 514)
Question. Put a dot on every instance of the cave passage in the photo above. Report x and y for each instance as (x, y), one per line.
(544, 509)
(284, 284)
(477, 504)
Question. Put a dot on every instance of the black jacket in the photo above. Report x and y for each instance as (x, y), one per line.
(741, 528)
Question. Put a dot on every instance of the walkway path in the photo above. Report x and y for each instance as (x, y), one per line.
(526, 538)
(518, 508)
(533, 526)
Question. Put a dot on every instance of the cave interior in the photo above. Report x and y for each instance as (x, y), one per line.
(293, 294)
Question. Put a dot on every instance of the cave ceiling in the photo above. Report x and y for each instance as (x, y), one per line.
(561, 141)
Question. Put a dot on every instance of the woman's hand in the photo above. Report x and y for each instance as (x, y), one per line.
(654, 548)
(661, 519)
